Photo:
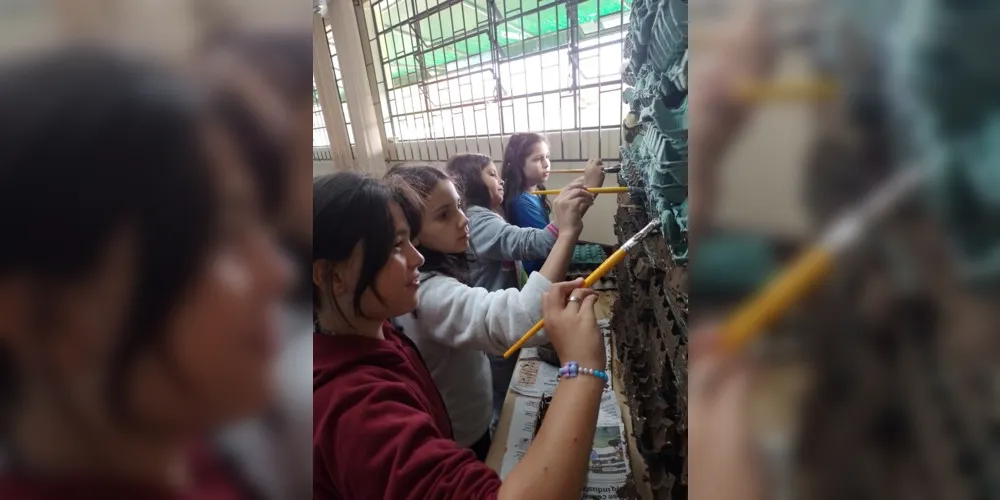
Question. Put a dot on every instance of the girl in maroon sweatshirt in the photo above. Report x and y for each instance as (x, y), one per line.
(380, 428)
(136, 283)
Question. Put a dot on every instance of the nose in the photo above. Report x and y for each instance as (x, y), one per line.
(501, 182)
(464, 222)
(415, 259)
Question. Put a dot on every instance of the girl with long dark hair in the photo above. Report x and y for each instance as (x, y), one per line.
(137, 283)
(525, 169)
(496, 247)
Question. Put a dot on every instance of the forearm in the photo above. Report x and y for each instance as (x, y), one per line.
(555, 466)
(560, 257)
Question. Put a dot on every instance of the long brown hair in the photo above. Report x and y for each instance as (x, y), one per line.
(467, 172)
(422, 179)
(518, 148)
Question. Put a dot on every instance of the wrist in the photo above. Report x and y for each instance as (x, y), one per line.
(573, 369)
(590, 362)
(570, 231)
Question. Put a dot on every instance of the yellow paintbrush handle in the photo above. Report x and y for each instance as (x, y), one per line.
(600, 190)
(589, 281)
(810, 90)
(777, 297)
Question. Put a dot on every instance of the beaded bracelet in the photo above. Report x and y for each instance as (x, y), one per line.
(572, 369)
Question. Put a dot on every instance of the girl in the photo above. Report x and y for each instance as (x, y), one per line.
(381, 429)
(525, 169)
(456, 325)
(267, 101)
(135, 295)
(496, 246)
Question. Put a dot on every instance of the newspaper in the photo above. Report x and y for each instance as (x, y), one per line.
(609, 465)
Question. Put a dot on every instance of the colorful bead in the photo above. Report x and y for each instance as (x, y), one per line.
(572, 369)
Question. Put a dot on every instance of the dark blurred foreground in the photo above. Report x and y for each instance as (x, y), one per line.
(154, 331)
(882, 383)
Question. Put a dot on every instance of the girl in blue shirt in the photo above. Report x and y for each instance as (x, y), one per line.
(525, 168)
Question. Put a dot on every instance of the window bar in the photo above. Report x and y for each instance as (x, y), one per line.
(509, 99)
(424, 74)
(498, 90)
(573, 22)
(600, 90)
(475, 35)
(444, 135)
(562, 126)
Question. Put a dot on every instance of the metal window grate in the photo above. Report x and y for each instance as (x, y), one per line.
(484, 69)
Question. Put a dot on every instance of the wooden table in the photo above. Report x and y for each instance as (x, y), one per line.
(495, 457)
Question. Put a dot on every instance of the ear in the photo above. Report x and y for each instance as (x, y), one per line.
(320, 274)
(328, 277)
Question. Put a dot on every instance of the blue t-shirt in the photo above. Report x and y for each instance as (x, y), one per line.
(529, 212)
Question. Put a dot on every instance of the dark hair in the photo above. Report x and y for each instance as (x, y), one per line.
(285, 62)
(467, 171)
(92, 144)
(284, 59)
(422, 180)
(514, 155)
(351, 209)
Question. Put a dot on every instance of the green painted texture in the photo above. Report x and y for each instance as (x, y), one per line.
(656, 157)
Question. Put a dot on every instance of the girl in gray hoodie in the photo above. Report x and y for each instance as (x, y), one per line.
(496, 247)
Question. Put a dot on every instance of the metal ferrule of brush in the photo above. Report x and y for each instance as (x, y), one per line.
(635, 239)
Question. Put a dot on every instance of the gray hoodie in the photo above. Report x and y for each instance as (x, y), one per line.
(496, 246)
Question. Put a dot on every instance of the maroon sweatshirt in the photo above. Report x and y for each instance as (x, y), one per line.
(212, 481)
(380, 428)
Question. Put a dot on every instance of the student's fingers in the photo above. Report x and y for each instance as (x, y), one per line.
(587, 305)
(559, 293)
(583, 203)
(577, 195)
(573, 303)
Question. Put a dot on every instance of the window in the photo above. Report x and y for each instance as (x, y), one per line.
(482, 68)
(340, 83)
(320, 139)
